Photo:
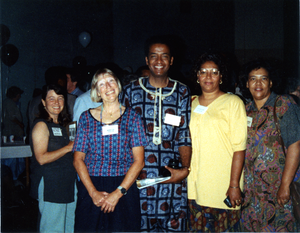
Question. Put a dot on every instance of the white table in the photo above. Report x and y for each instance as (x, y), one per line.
(15, 150)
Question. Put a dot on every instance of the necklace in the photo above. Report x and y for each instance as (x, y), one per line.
(102, 109)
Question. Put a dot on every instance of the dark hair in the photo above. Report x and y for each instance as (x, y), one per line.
(75, 74)
(55, 73)
(219, 60)
(139, 70)
(63, 117)
(157, 40)
(13, 91)
(255, 65)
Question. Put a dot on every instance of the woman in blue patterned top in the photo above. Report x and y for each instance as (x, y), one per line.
(109, 155)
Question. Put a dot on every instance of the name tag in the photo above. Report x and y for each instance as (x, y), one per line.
(200, 109)
(109, 130)
(249, 121)
(172, 119)
(56, 131)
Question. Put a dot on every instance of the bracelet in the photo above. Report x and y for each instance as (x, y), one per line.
(189, 169)
(234, 187)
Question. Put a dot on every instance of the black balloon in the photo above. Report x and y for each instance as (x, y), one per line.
(9, 54)
(5, 34)
(79, 62)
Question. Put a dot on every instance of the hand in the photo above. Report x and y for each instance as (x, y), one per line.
(98, 198)
(283, 195)
(177, 175)
(235, 196)
(111, 201)
(70, 146)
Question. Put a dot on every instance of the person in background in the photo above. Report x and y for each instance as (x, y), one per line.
(13, 126)
(268, 172)
(52, 173)
(129, 78)
(12, 118)
(219, 131)
(108, 157)
(143, 71)
(293, 88)
(83, 103)
(164, 105)
(73, 83)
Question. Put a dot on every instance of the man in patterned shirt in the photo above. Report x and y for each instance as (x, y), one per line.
(164, 105)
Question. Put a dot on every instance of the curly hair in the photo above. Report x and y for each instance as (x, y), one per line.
(219, 60)
(63, 117)
(256, 65)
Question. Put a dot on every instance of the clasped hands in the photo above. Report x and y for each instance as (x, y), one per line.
(107, 201)
(177, 175)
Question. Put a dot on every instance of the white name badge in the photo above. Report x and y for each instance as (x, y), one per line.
(249, 121)
(200, 109)
(109, 129)
(56, 131)
(172, 119)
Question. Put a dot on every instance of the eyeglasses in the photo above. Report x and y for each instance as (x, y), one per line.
(204, 72)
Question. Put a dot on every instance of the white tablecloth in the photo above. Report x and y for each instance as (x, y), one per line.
(17, 151)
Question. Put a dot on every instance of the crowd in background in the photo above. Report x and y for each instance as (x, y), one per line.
(225, 141)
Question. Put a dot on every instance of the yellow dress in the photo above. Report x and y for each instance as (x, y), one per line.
(216, 134)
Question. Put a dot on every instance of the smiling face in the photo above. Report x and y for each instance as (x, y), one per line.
(209, 77)
(107, 88)
(259, 85)
(53, 104)
(159, 60)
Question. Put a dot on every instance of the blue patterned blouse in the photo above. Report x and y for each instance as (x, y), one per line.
(109, 155)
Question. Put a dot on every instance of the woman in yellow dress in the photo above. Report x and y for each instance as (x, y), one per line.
(219, 131)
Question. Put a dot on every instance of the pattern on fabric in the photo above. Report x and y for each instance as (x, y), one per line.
(206, 219)
(164, 206)
(109, 155)
(264, 165)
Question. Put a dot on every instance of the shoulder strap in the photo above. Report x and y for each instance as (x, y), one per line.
(278, 127)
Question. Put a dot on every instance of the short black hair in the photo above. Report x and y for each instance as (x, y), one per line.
(166, 40)
(257, 64)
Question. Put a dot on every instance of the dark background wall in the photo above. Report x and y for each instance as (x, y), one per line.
(46, 33)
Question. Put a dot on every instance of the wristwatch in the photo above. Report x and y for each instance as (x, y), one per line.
(123, 190)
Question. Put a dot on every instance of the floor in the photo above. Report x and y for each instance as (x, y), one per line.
(21, 213)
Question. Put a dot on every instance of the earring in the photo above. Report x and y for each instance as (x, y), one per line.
(198, 81)
(221, 82)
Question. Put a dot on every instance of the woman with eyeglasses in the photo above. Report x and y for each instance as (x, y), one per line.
(218, 129)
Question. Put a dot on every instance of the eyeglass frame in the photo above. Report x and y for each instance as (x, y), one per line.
(210, 71)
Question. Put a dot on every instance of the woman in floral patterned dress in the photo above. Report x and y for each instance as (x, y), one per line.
(268, 173)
